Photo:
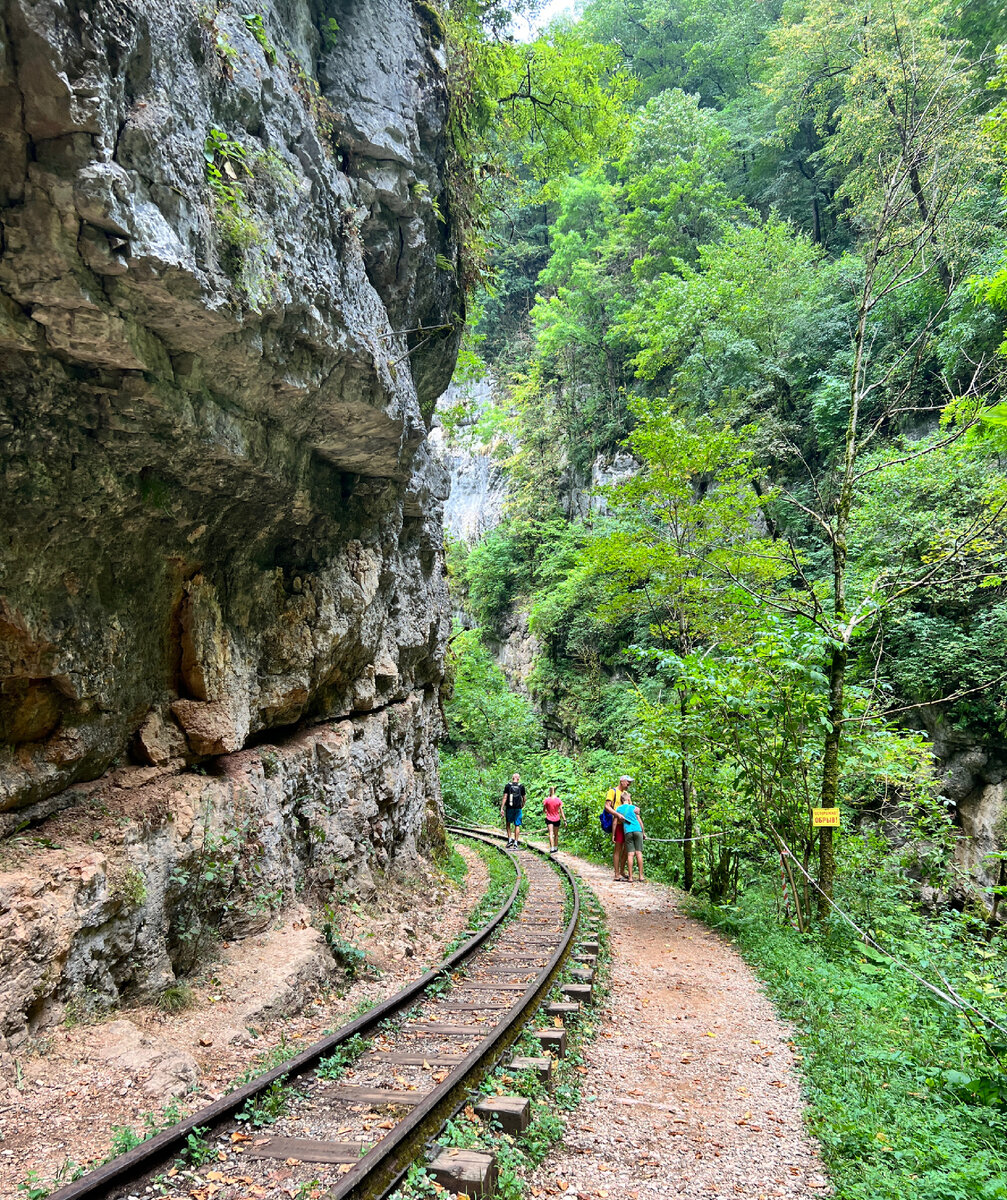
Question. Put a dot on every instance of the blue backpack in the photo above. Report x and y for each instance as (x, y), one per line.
(605, 817)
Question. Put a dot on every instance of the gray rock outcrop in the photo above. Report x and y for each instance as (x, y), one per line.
(478, 489)
(219, 516)
(227, 309)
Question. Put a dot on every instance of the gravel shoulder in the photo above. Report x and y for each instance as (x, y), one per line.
(78, 1082)
(691, 1089)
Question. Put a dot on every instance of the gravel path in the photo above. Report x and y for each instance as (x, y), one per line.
(691, 1088)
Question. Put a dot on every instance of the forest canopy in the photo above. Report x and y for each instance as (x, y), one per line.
(745, 330)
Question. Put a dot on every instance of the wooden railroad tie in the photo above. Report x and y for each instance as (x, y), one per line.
(582, 975)
(464, 985)
(543, 1067)
(465, 1172)
(589, 947)
(512, 1113)
(448, 1030)
(588, 960)
(451, 1006)
(418, 1060)
(564, 1010)
(553, 1040)
(577, 991)
(307, 1150)
(376, 1096)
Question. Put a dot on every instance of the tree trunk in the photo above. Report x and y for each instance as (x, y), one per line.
(687, 825)
(830, 776)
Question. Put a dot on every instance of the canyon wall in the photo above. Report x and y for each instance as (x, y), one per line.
(228, 305)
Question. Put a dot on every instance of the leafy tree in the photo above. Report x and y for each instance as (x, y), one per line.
(483, 714)
(682, 531)
(898, 102)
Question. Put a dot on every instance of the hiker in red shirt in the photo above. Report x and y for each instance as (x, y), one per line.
(554, 815)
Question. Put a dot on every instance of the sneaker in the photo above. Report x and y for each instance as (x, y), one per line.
(510, 843)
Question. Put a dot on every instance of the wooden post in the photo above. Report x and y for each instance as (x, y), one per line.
(543, 1067)
(469, 1172)
(553, 1040)
(513, 1113)
(565, 1011)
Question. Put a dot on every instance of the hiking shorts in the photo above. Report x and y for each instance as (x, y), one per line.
(618, 835)
(512, 816)
(634, 841)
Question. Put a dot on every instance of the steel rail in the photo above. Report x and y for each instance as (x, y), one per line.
(119, 1171)
(382, 1167)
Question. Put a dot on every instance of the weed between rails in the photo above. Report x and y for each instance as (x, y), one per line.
(501, 880)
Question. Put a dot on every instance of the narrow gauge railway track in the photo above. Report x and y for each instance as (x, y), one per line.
(354, 1137)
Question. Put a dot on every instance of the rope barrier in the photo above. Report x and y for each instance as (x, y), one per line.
(533, 828)
(950, 997)
(701, 837)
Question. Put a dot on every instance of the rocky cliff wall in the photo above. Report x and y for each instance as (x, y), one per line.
(227, 309)
(134, 881)
(974, 783)
(219, 517)
(478, 489)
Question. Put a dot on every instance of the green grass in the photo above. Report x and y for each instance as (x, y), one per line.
(268, 1106)
(342, 1058)
(453, 865)
(176, 998)
(501, 880)
(905, 1099)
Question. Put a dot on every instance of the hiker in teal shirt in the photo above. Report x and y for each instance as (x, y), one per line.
(632, 825)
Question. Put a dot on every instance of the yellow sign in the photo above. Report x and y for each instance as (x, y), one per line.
(828, 818)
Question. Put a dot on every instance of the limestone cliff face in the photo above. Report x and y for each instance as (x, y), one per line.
(219, 516)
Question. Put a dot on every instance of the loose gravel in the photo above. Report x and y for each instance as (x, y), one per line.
(691, 1089)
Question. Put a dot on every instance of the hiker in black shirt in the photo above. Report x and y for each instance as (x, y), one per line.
(510, 810)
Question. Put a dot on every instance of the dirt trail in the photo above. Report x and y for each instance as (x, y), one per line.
(691, 1088)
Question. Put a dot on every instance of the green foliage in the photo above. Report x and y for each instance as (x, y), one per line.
(33, 1187)
(176, 998)
(330, 32)
(226, 167)
(493, 575)
(219, 884)
(350, 957)
(550, 103)
(269, 1106)
(124, 1138)
(335, 1065)
(257, 28)
(905, 1100)
(482, 711)
(282, 1052)
(130, 887)
(780, 295)
(454, 865)
(197, 1151)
